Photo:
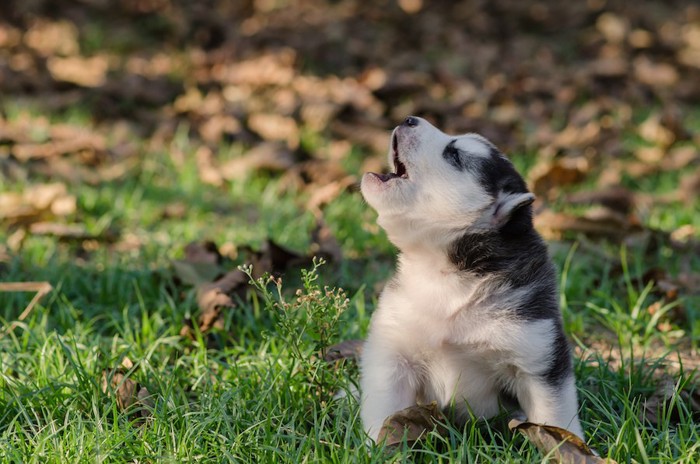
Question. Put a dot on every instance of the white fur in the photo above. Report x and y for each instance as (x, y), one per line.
(438, 335)
(403, 203)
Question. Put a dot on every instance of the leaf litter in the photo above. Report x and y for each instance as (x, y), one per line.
(218, 281)
(557, 444)
(265, 98)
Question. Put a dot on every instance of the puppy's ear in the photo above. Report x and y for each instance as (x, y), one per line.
(507, 204)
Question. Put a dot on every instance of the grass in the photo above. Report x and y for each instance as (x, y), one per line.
(262, 396)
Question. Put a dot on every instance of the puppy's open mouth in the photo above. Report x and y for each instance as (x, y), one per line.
(399, 167)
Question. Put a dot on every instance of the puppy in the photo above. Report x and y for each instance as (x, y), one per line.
(472, 314)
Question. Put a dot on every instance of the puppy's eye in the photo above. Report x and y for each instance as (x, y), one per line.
(452, 155)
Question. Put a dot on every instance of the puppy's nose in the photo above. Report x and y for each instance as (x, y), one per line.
(411, 121)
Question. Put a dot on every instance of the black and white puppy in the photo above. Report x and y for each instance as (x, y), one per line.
(472, 314)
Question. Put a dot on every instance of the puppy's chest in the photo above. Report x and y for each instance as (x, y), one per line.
(438, 309)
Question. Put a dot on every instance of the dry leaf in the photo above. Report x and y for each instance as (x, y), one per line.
(268, 156)
(36, 202)
(275, 127)
(130, 396)
(597, 223)
(85, 72)
(548, 176)
(559, 445)
(321, 195)
(655, 132)
(123, 388)
(209, 173)
(411, 6)
(609, 67)
(616, 198)
(41, 289)
(613, 27)
(202, 265)
(655, 73)
(53, 37)
(63, 139)
(412, 423)
(213, 297)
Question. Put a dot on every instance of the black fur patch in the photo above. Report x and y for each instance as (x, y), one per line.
(541, 301)
(497, 173)
(453, 155)
(560, 364)
(517, 254)
(494, 172)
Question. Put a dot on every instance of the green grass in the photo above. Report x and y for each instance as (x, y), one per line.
(259, 394)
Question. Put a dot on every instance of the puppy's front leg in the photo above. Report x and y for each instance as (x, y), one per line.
(388, 385)
(543, 403)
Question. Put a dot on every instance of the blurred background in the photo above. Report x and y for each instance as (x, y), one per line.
(130, 128)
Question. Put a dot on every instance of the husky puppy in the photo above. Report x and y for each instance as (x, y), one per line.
(472, 314)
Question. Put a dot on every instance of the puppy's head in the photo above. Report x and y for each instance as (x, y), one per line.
(442, 186)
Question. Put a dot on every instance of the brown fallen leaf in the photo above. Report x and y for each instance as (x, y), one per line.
(36, 202)
(202, 269)
(557, 444)
(275, 127)
(608, 67)
(546, 178)
(597, 223)
(654, 73)
(85, 72)
(616, 198)
(53, 37)
(41, 289)
(655, 131)
(321, 195)
(63, 139)
(213, 297)
(348, 349)
(123, 388)
(412, 424)
(209, 173)
(131, 398)
(268, 156)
